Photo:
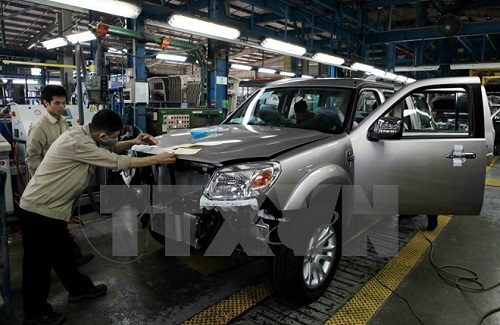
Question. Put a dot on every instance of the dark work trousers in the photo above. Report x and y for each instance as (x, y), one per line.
(47, 246)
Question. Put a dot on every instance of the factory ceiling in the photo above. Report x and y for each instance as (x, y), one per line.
(385, 33)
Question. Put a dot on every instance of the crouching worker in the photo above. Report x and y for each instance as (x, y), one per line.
(46, 207)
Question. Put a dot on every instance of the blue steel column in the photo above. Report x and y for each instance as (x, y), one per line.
(93, 16)
(44, 77)
(140, 72)
(332, 73)
(218, 55)
(295, 65)
(391, 56)
(419, 45)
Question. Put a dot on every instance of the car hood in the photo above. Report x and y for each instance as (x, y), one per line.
(225, 143)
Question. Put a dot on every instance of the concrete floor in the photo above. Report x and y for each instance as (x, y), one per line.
(156, 289)
(469, 241)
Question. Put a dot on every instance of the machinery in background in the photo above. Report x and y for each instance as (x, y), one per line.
(5, 166)
(22, 116)
(134, 92)
(167, 119)
(174, 106)
(233, 91)
(97, 88)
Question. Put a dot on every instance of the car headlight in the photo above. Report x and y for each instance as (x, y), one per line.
(242, 181)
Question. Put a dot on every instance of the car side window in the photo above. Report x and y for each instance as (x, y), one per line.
(367, 102)
(434, 113)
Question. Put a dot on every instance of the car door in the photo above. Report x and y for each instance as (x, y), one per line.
(438, 169)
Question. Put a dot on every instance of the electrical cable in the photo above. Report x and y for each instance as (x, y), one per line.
(454, 278)
(401, 297)
(457, 279)
(485, 315)
(138, 217)
(448, 276)
(110, 259)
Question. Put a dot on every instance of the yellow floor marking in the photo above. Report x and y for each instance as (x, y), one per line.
(367, 301)
(226, 309)
(493, 182)
(493, 162)
(489, 180)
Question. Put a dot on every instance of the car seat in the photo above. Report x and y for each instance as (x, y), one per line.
(269, 114)
(329, 119)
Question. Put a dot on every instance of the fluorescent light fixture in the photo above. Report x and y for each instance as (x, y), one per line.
(240, 66)
(378, 72)
(266, 70)
(283, 47)
(287, 74)
(81, 37)
(464, 66)
(410, 80)
(327, 59)
(362, 67)
(172, 57)
(417, 68)
(401, 79)
(54, 43)
(36, 71)
(24, 81)
(4, 80)
(113, 7)
(390, 76)
(54, 82)
(203, 27)
(304, 76)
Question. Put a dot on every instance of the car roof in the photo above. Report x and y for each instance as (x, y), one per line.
(330, 82)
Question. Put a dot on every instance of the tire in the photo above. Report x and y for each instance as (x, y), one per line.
(298, 277)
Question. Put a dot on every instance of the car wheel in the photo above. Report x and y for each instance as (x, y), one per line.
(304, 279)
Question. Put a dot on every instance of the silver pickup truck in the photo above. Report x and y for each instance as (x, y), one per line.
(279, 177)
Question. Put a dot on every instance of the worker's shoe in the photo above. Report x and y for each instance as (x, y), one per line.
(84, 259)
(50, 319)
(432, 222)
(96, 291)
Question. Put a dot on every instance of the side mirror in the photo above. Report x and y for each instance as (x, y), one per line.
(386, 128)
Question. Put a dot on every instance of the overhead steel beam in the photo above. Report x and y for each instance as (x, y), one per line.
(354, 15)
(293, 14)
(46, 31)
(248, 50)
(491, 42)
(2, 26)
(60, 5)
(369, 5)
(468, 29)
(465, 42)
(156, 12)
(479, 4)
(441, 6)
(46, 55)
(17, 13)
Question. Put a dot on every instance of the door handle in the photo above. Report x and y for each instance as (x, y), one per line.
(350, 156)
(461, 155)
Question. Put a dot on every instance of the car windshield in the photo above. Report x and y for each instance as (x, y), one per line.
(321, 109)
